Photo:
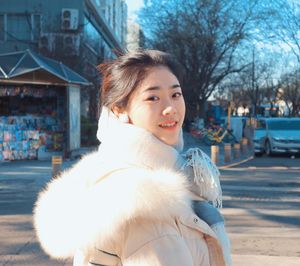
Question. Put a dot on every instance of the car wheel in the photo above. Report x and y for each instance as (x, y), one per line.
(268, 148)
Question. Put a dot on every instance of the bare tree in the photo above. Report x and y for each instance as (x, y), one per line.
(284, 24)
(270, 93)
(290, 92)
(204, 36)
(232, 91)
(240, 99)
(256, 84)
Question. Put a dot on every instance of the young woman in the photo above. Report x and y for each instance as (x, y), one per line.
(128, 204)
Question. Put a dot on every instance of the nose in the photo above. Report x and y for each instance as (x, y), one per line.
(169, 110)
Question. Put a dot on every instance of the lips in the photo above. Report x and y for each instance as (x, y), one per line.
(168, 124)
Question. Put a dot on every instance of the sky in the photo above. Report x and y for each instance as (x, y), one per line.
(133, 6)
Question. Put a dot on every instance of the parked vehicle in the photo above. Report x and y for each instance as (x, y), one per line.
(282, 135)
(260, 136)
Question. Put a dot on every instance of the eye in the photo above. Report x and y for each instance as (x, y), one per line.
(152, 98)
(177, 94)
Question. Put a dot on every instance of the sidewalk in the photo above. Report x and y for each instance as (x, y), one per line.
(192, 142)
(20, 182)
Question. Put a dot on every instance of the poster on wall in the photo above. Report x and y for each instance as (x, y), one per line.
(74, 117)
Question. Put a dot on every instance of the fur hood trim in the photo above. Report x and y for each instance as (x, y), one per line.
(85, 206)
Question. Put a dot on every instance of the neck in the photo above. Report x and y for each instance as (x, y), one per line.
(130, 144)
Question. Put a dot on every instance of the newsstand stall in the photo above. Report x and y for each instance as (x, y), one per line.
(39, 110)
(32, 118)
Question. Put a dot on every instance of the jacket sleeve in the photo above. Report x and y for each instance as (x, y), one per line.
(164, 251)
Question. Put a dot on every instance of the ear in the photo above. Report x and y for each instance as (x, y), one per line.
(117, 110)
(121, 114)
(123, 117)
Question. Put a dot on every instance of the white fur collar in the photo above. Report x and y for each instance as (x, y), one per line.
(131, 144)
(82, 207)
(126, 143)
(110, 127)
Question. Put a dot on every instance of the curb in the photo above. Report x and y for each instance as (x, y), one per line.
(278, 168)
(235, 163)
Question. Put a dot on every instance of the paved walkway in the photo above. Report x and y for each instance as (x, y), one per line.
(261, 209)
(20, 183)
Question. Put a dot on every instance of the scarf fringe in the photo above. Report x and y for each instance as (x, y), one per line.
(206, 175)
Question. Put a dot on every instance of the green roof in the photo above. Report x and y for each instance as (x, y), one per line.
(28, 64)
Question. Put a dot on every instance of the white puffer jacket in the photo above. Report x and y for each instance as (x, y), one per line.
(140, 216)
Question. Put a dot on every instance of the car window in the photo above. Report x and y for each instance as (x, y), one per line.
(284, 125)
(260, 125)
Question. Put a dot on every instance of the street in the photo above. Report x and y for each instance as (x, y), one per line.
(261, 207)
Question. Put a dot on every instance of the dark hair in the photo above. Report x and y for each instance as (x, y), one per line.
(121, 76)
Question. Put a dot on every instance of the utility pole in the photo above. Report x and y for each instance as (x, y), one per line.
(229, 111)
(253, 82)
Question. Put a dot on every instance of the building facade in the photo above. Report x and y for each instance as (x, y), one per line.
(115, 13)
(135, 36)
(79, 33)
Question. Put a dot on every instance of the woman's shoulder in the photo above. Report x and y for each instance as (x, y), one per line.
(91, 204)
(149, 193)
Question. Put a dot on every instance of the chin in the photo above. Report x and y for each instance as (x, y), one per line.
(169, 139)
(171, 142)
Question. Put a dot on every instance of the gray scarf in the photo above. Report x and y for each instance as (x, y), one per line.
(124, 144)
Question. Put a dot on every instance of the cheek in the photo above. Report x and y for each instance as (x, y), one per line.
(183, 112)
(181, 108)
(143, 117)
(139, 120)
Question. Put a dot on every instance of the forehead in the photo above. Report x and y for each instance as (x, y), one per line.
(159, 76)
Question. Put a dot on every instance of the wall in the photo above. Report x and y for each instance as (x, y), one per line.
(74, 117)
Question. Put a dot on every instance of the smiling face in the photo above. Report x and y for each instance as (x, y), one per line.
(157, 105)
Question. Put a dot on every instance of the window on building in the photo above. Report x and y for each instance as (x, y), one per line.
(36, 29)
(114, 17)
(2, 27)
(91, 35)
(23, 27)
(97, 2)
(109, 18)
(18, 27)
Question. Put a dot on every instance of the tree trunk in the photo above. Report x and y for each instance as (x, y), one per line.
(201, 109)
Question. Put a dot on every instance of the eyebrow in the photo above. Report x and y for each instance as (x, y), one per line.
(158, 88)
